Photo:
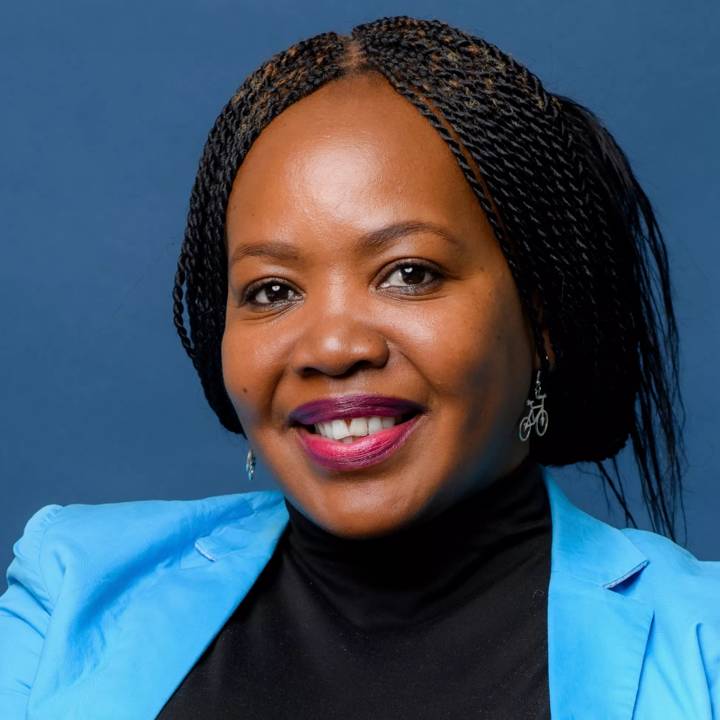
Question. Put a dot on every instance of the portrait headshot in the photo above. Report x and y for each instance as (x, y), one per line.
(360, 362)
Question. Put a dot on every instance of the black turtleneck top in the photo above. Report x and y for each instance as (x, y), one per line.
(442, 619)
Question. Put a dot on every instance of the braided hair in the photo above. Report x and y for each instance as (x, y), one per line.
(577, 230)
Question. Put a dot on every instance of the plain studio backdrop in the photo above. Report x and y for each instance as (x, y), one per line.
(105, 109)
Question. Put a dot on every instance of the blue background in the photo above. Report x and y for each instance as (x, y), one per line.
(105, 109)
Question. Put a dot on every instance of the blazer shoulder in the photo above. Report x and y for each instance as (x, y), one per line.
(84, 560)
(24, 568)
(683, 591)
(675, 573)
(153, 518)
(89, 541)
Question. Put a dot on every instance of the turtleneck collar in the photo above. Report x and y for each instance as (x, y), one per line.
(422, 571)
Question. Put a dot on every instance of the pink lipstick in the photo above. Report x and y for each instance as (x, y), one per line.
(363, 451)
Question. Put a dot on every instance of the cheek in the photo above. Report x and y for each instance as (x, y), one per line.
(249, 364)
(475, 351)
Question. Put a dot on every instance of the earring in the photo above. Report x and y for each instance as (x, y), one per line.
(250, 465)
(537, 416)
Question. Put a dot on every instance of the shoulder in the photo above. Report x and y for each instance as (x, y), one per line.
(87, 561)
(684, 593)
(87, 540)
(678, 573)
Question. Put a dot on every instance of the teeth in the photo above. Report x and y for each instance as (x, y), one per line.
(374, 424)
(357, 427)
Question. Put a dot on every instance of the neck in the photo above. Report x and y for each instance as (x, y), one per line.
(416, 573)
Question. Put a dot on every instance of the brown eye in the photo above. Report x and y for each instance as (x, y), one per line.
(269, 293)
(411, 275)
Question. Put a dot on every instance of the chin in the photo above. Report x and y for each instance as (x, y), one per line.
(364, 517)
(357, 529)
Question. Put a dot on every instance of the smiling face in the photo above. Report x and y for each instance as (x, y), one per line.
(429, 316)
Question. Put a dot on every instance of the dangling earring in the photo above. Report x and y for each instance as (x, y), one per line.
(537, 416)
(250, 465)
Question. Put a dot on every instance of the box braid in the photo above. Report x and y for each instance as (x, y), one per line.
(577, 230)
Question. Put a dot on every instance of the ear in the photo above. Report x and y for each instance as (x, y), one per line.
(547, 342)
(549, 351)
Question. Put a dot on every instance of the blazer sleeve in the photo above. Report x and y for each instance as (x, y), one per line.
(25, 609)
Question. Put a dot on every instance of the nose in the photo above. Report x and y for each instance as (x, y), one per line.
(337, 345)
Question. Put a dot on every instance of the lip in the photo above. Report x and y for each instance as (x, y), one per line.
(350, 406)
(361, 453)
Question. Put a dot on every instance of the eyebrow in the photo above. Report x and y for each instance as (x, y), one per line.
(373, 240)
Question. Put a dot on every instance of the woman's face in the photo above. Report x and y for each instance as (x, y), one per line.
(314, 313)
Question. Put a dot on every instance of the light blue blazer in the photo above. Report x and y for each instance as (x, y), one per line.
(109, 606)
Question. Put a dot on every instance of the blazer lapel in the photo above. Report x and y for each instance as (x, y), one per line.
(596, 635)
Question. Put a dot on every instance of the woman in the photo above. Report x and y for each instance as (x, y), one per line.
(413, 278)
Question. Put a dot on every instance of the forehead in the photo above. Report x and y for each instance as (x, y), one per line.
(355, 152)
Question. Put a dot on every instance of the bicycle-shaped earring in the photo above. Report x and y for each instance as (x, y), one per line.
(537, 415)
